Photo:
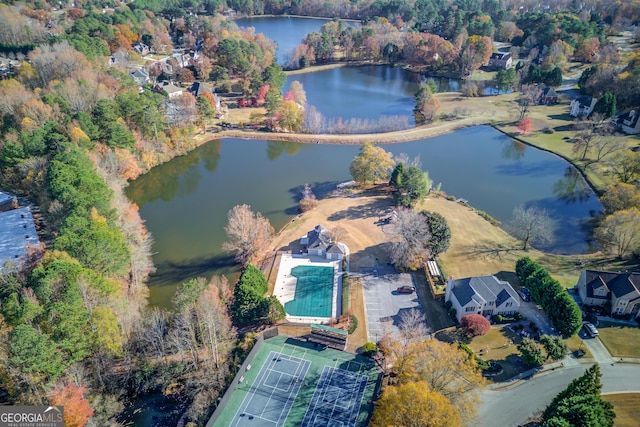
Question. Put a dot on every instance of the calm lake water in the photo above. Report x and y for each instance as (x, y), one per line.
(286, 31)
(185, 201)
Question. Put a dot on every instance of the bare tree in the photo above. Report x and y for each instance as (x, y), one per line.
(531, 225)
(413, 324)
(410, 239)
(248, 233)
(214, 325)
(308, 200)
(408, 161)
(529, 95)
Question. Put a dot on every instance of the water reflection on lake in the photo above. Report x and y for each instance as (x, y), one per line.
(185, 201)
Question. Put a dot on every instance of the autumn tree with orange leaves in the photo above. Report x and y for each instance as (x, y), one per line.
(77, 410)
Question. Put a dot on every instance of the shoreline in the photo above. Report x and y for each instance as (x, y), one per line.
(395, 137)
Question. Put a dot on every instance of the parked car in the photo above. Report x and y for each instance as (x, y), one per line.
(406, 289)
(590, 329)
(525, 294)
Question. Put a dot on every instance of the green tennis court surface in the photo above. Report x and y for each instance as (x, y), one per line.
(314, 292)
(293, 383)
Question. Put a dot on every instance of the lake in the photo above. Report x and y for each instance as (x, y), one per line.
(185, 201)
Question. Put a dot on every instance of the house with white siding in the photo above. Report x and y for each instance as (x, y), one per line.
(484, 295)
(320, 242)
(621, 290)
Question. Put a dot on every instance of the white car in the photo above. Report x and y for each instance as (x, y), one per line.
(591, 330)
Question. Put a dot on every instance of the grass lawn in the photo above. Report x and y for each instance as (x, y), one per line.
(620, 340)
(575, 343)
(627, 408)
(499, 344)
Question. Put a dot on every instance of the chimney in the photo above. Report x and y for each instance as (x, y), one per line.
(447, 290)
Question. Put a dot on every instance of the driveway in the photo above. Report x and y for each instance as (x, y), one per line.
(534, 313)
(384, 305)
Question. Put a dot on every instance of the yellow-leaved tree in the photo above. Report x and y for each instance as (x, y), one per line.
(414, 404)
(371, 165)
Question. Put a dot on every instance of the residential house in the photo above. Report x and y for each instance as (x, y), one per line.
(141, 48)
(621, 290)
(197, 88)
(500, 61)
(549, 96)
(629, 123)
(484, 295)
(319, 242)
(17, 233)
(172, 90)
(141, 76)
(582, 106)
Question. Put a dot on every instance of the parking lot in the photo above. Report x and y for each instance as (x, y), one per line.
(383, 303)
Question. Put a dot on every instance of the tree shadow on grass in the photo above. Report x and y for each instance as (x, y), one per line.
(488, 248)
(373, 209)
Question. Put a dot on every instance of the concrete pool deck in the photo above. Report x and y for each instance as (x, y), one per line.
(285, 286)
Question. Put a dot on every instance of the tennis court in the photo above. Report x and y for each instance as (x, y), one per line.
(314, 292)
(272, 394)
(309, 386)
(337, 399)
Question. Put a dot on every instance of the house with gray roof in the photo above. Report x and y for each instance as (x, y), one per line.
(320, 242)
(7, 202)
(622, 290)
(17, 232)
(484, 295)
(629, 123)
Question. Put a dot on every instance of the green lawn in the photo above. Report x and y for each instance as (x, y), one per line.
(499, 344)
(575, 343)
(627, 408)
(620, 340)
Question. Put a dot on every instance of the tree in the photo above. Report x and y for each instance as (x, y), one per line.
(77, 410)
(619, 197)
(506, 79)
(580, 403)
(371, 165)
(412, 186)
(299, 95)
(625, 166)
(248, 233)
(554, 346)
(248, 305)
(290, 116)
(440, 233)
(531, 225)
(531, 352)
(410, 238)
(414, 404)
(36, 354)
(606, 105)
(427, 105)
(474, 325)
(620, 231)
(524, 125)
(308, 200)
(529, 95)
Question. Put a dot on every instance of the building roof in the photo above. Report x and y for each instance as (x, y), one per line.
(5, 198)
(334, 249)
(631, 117)
(489, 288)
(318, 238)
(197, 88)
(17, 230)
(620, 284)
(549, 91)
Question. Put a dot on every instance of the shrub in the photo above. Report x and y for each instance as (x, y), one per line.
(498, 318)
(369, 349)
(518, 316)
(474, 325)
(452, 312)
(353, 324)
(466, 348)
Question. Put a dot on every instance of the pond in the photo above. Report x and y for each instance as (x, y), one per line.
(185, 201)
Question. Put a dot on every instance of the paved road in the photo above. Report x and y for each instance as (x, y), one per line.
(513, 405)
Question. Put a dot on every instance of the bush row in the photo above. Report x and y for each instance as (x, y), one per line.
(552, 297)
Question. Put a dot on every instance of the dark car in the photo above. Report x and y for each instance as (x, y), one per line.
(525, 294)
(406, 289)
